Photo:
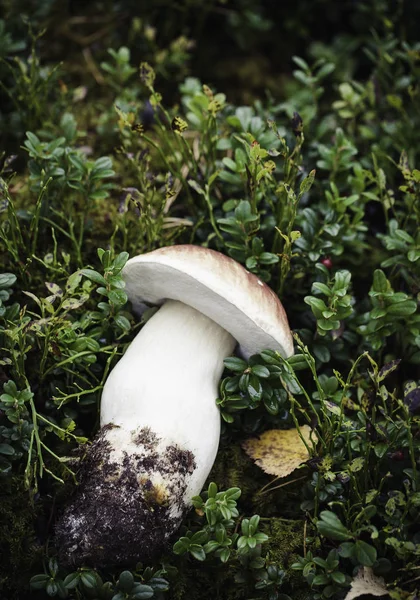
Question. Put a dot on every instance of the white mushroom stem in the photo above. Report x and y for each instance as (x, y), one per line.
(158, 441)
(168, 381)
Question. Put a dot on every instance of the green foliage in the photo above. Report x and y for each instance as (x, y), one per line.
(391, 313)
(111, 287)
(337, 307)
(6, 282)
(87, 583)
(217, 537)
(360, 426)
(313, 186)
(320, 572)
(15, 440)
(65, 166)
(63, 337)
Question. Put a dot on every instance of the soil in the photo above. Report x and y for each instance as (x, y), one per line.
(124, 511)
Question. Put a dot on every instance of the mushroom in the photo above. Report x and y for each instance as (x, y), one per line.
(160, 425)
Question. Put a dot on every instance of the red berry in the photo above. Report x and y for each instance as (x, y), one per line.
(398, 455)
(327, 262)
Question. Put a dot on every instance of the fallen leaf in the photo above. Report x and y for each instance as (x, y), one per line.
(366, 582)
(279, 451)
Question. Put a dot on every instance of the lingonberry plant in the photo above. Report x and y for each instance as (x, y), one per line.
(127, 128)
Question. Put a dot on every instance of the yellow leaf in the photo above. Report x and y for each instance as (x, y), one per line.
(279, 451)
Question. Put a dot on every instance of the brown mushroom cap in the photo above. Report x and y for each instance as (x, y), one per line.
(218, 287)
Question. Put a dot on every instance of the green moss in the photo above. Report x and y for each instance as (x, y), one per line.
(19, 550)
(233, 468)
(284, 546)
(198, 583)
(286, 541)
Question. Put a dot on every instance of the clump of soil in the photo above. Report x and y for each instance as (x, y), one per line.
(128, 504)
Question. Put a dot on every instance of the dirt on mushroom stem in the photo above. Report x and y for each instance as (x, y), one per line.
(120, 515)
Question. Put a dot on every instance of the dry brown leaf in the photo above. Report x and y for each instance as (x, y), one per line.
(366, 582)
(279, 451)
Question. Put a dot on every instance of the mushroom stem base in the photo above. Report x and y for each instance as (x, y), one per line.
(121, 514)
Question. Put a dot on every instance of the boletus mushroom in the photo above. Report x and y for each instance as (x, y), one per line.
(160, 424)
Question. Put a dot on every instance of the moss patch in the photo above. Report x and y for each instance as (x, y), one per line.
(233, 468)
(19, 549)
